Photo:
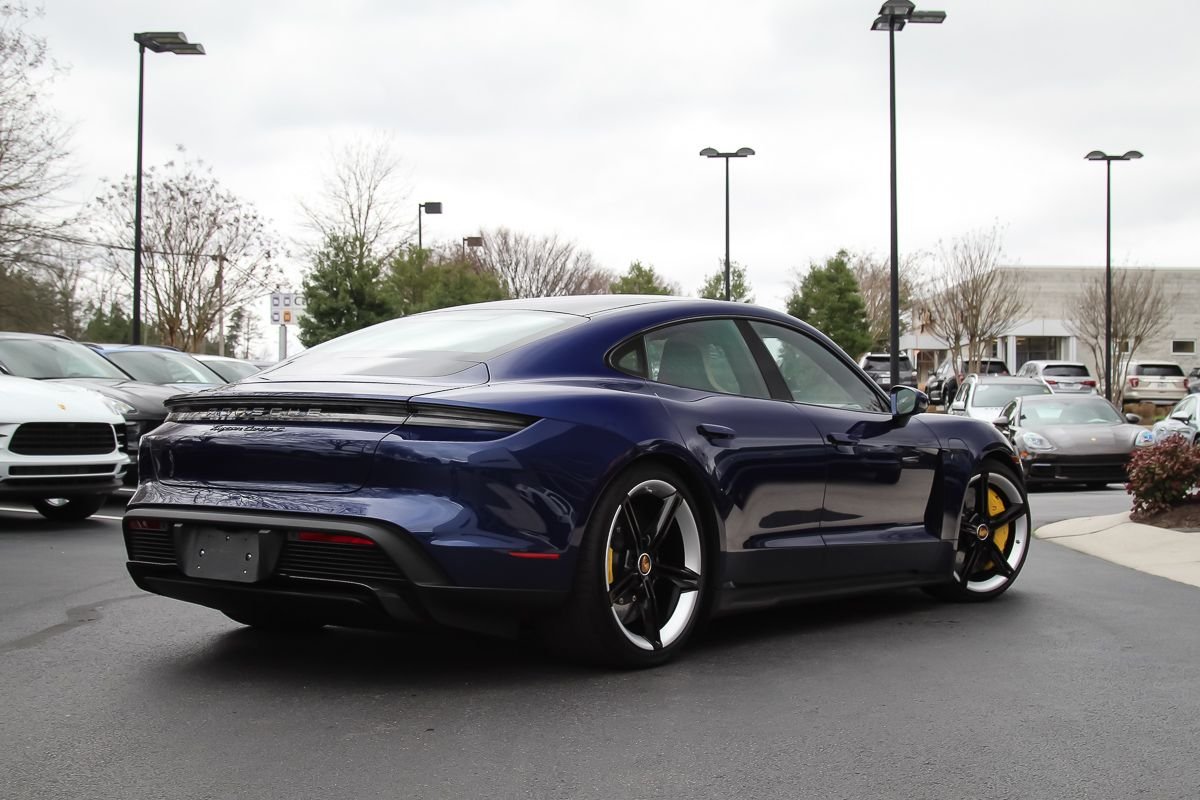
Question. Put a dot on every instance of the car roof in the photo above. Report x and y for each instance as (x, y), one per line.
(1007, 379)
(154, 348)
(591, 305)
(1046, 362)
(1062, 397)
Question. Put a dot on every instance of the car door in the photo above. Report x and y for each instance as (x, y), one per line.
(768, 464)
(879, 515)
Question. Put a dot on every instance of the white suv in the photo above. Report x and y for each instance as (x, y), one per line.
(62, 447)
(1061, 376)
(1158, 382)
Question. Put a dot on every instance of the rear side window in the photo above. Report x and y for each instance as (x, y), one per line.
(1066, 371)
(708, 355)
(1159, 370)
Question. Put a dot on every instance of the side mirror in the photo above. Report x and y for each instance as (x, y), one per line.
(1133, 419)
(1002, 423)
(1181, 417)
(907, 401)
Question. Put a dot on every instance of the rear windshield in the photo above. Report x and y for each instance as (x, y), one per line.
(885, 362)
(1159, 370)
(1000, 394)
(434, 344)
(1065, 371)
(993, 368)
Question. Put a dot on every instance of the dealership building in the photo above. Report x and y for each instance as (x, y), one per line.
(1044, 332)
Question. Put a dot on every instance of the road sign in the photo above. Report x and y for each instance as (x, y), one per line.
(286, 308)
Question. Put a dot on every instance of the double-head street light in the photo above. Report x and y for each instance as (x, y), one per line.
(741, 152)
(1096, 155)
(428, 208)
(893, 16)
(156, 42)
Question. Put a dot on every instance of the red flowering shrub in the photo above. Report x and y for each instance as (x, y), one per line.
(1163, 476)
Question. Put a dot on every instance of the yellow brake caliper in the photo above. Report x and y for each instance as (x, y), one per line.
(996, 508)
(610, 566)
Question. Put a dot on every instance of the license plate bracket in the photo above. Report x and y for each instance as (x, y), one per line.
(243, 556)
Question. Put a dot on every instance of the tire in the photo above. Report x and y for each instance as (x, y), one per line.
(992, 547)
(69, 509)
(273, 621)
(642, 584)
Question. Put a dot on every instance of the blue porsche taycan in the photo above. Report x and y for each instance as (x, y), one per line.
(605, 471)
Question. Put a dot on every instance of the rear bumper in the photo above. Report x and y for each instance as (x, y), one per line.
(394, 584)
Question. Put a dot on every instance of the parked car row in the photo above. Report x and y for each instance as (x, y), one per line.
(54, 447)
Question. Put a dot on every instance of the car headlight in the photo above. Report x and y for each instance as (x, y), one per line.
(1036, 442)
(1143, 439)
(119, 406)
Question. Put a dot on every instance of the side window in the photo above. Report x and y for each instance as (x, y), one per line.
(1009, 411)
(964, 391)
(813, 374)
(709, 355)
(1186, 406)
(630, 359)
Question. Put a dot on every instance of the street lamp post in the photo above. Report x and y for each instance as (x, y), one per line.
(1097, 155)
(741, 152)
(428, 208)
(156, 42)
(893, 16)
(470, 241)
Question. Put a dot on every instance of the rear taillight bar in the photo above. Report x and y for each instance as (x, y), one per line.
(335, 538)
(139, 524)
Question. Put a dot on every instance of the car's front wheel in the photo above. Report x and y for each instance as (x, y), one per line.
(641, 582)
(993, 536)
(69, 509)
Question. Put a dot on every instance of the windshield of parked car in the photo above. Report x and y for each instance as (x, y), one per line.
(430, 345)
(1084, 411)
(55, 358)
(1159, 370)
(231, 370)
(999, 394)
(1065, 371)
(163, 366)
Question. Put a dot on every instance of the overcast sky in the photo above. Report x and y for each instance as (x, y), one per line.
(585, 119)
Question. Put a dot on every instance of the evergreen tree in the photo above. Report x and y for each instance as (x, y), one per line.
(110, 327)
(739, 286)
(424, 280)
(343, 291)
(643, 279)
(828, 298)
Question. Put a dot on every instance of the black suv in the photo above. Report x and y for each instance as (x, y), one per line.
(879, 367)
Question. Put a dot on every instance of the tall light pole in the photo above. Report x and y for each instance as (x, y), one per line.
(156, 42)
(893, 16)
(741, 152)
(1096, 155)
(428, 208)
(470, 241)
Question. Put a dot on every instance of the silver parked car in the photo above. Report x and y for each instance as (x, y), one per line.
(1159, 382)
(984, 396)
(1061, 376)
(1183, 421)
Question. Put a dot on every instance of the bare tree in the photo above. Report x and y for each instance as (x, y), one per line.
(541, 266)
(362, 198)
(32, 140)
(874, 276)
(205, 249)
(971, 301)
(1139, 312)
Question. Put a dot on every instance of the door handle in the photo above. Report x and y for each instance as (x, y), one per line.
(843, 438)
(713, 432)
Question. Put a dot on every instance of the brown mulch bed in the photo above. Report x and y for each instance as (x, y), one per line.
(1186, 515)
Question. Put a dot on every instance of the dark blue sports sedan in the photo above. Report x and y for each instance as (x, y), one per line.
(605, 471)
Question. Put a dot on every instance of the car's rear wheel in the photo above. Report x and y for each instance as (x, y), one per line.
(69, 509)
(641, 583)
(993, 540)
(273, 621)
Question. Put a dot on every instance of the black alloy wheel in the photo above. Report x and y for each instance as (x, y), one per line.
(640, 589)
(994, 533)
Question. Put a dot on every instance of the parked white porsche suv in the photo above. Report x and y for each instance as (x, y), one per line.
(62, 448)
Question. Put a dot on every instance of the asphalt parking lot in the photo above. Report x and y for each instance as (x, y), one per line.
(1079, 683)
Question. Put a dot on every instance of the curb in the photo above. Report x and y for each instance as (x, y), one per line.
(1164, 552)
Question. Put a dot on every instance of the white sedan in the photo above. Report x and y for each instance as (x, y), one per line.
(62, 447)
